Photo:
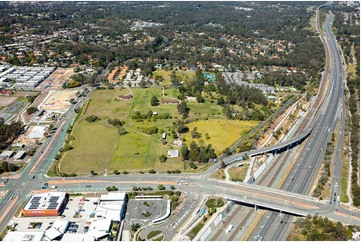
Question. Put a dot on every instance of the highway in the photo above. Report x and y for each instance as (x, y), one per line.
(273, 227)
(304, 173)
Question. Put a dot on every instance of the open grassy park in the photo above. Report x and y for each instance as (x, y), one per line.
(221, 132)
(98, 146)
(181, 75)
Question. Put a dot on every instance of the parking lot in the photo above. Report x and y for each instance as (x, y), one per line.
(79, 211)
(144, 211)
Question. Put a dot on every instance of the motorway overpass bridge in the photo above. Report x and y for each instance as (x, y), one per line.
(273, 207)
(272, 199)
(251, 195)
(332, 211)
(275, 149)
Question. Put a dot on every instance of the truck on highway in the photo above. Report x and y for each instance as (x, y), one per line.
(53, 187)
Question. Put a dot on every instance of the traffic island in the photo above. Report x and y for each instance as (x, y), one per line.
(155, 235)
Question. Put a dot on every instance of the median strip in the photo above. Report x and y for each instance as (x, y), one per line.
(252, 227)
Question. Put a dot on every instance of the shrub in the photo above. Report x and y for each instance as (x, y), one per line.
(162, 158)
(154, 101)
(161, 187)
(151, 130)
(92, 118)
(31, 110)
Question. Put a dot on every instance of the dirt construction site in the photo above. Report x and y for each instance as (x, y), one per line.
(57, 78)
(59, 101)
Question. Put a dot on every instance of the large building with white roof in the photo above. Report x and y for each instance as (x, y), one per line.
(77, 237)
(57, 230)
(24, 236)
(112, 206)
(45, 204)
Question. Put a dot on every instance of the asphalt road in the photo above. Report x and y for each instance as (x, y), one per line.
(247, 193)
(303, 175)
(32, 177)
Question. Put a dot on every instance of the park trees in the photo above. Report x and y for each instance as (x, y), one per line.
(8, 132)
(220, 101)
(183, 109)
(195, 134)
(199, 153)
(31, 110)
(154, 101)
(184, 152)
(163, 158)
(122, 131)
(92, 118)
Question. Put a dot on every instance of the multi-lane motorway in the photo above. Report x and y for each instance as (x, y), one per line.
(288, 199)
(305, 171)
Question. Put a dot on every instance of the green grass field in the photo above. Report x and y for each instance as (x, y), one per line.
(137, 151)
(98, 146)
(193, 233)
(171, 93)
(212, 110)
(104, 104)
(153, 234)
(142, 98)
(222, 132)
(94, 146)
(218, 174)
(182, 75)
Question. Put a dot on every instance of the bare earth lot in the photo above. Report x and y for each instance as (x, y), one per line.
(25, 93)
(6, 101)
(57, 78)
(59, 100)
